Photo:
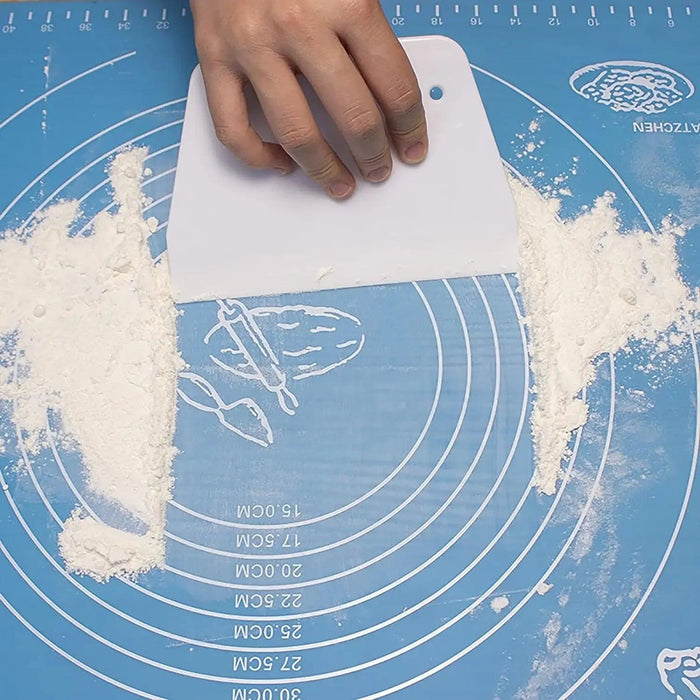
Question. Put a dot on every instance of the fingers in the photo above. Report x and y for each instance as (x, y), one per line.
(230, 116)
(290, 118)
(352, 59)
(388, 72)
(352, 107)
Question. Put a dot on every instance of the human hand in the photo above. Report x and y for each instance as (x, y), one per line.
(350, 56)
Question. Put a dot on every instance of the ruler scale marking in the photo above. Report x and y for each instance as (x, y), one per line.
(665, 14)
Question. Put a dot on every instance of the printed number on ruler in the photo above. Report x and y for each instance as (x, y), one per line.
(527, 14)
(48, 21)
(436, 15)
(413, 15)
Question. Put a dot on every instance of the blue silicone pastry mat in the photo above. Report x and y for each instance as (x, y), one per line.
(360, 541)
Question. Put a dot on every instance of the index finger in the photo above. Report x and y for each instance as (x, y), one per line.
(389, 74)
(229, 114)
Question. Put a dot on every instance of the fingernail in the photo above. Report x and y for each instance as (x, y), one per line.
(415, 153)
(282, 170)
(379, 175)
(339, 190)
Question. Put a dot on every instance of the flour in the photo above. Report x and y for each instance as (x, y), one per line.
(551, 631)
(94, 333)
(91, 547)
(500, 603)
(589, 289)
(544, 588)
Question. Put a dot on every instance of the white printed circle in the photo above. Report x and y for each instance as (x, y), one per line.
(632, 86)
(419, 599)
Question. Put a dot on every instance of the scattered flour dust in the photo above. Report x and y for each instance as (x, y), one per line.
(544, 588)
(551, 631)
(94, 328)
(500, 603)
(589, 289)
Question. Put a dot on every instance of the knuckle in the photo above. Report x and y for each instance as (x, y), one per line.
(210, 49)
(324, 171)
(232, 137)
(363, 124)
(228, 135)
(291, 17)
(247, 30)
(249, 160)
(404, 100)
(246, 35)
(381, 158)
(362, 11)
(296, 137)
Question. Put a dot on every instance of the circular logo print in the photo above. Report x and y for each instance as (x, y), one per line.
(632, 86)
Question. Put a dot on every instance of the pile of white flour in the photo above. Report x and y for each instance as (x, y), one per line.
(94, 326)
(589, 288)
(95, 331)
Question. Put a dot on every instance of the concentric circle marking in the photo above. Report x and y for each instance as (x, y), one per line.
(373, 526)
(378, 487)
(81, 145)
(302, 680)
(405, 613)
(444, 456)
(502, 622)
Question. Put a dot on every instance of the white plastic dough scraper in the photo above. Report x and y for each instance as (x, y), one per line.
(234, 232)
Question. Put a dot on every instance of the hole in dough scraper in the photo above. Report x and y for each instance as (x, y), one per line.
(234, 232)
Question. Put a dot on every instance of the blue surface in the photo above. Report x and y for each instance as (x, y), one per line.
(396, 501)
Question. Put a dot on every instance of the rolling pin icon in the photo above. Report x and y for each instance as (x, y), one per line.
(259, 362)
